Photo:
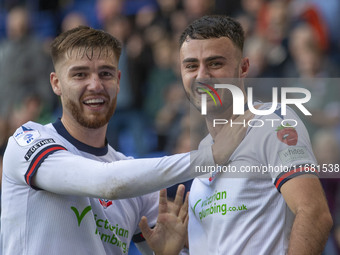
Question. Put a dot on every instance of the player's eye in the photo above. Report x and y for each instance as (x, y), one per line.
(106, 75)
(215, 64)
(79, 75)
(191, 67)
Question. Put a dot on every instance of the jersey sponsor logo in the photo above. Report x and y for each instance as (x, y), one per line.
(295, 153)
(105, 230)
(26, 136)
(105, 203)
(81, 215)
(36, 146)
(216, 204)
(287, 134)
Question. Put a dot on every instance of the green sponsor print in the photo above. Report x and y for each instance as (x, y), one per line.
(116, 233)
(103, 225)
(215, 204)
(83, 213)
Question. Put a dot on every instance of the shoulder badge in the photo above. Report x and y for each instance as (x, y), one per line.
(26, 136)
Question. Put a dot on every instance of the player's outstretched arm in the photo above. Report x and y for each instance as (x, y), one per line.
(68, 174)
(305, 197)
(169, 235)
(52, 168)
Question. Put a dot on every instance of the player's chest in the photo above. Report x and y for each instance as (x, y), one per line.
(124, 211)
(228, 199)
(103, 215)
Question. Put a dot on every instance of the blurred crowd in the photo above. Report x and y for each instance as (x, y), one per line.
(285, 39)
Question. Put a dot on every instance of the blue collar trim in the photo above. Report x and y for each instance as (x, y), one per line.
(58, 125)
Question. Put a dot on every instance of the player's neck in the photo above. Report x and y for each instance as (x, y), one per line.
(214, 126)
(91, 137)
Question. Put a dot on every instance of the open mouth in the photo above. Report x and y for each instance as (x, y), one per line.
(94, 102)
(201, 88)
(205, 90)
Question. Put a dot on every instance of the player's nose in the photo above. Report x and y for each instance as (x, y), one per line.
(95, 83)
(203, 72)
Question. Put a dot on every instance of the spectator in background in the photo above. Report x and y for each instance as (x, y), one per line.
(127, 131)
(72, 20)
(24, 70)
(160, 76)
(248, 15)
(313, 65)
(197, 8)
(255, 48)
(273, 24)
(252, 8)
(108, 10)
(166, 10)
(308, 58)
(178, 21)
(169, 116)
(140, 62)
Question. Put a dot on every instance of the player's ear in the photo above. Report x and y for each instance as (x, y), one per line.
(55, 83)
(244, 67)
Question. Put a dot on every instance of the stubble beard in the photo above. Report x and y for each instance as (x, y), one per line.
(98, 121)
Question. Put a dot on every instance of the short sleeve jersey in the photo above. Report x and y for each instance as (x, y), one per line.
(240, 209)
(35, 221)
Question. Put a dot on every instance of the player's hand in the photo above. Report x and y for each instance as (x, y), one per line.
(170, 233)
(229, 138)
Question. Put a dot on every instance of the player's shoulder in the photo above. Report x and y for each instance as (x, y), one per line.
(27, 133)
(272, 119)
(32, 134)
(27, 142)
(116, 155)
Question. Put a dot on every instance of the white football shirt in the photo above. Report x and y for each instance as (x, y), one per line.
(240, 209)
(69, 218)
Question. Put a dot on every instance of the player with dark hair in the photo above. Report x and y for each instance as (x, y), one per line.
(271, 212)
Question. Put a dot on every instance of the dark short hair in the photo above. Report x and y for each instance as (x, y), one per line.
(87, 40)
(214, 26)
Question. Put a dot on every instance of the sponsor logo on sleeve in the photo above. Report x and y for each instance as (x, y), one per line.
(26, 136)
(295, 153)
(36, 146)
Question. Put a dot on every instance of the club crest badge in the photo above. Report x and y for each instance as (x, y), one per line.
(287, 134)
(105, 203)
